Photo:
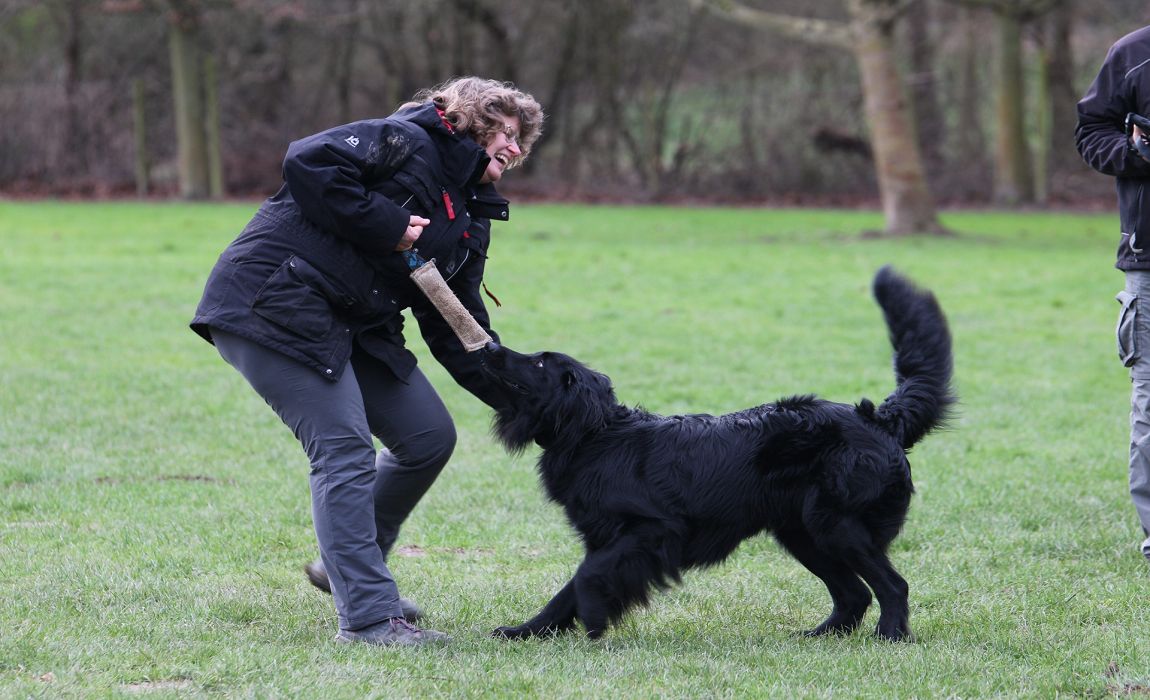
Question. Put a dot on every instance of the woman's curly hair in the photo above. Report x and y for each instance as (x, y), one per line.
(476, 106)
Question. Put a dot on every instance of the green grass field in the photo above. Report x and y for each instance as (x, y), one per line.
(154, 514)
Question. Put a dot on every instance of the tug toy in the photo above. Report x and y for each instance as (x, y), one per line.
(426, 276)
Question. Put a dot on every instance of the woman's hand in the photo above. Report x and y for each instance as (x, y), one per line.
(414, 231)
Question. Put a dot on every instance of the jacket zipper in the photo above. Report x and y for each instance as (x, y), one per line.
(1137, 219)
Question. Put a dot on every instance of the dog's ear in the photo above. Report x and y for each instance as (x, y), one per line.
(568, 379)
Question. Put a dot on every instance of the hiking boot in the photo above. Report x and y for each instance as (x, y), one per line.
(393, 632)
(317, 575)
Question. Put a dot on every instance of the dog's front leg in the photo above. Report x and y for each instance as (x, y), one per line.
(618, 575)
(556, 617)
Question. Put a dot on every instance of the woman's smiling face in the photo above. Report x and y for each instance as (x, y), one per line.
(503, 148)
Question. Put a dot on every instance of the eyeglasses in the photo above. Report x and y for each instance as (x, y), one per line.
(510, 133)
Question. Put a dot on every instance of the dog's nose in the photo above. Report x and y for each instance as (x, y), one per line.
(491, 346)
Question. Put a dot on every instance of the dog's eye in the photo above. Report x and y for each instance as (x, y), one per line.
(539, 364)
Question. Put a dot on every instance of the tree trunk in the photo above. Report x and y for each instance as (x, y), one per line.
(143, 162)
(188, 93)
(344, 54)
(1042, 126)
(610, 20)
(73, 156)
(970, 141)
(560, 104)
(928, 116)
(212, 130)
(907, 204)
(1014, 181)
(1060, 86)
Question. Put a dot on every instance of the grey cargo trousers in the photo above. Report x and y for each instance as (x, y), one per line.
(359, 498)
(1134, 351)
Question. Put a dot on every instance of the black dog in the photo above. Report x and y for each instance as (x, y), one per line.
(652, 496)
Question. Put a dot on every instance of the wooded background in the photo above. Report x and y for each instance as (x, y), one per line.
(912, 103)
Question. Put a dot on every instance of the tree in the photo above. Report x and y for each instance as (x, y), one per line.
(1055, 155)
(196, 113)
(970, 139)
(69, 17)
(1014, 181)
(908, 206)
(662, 156)
(928, 113)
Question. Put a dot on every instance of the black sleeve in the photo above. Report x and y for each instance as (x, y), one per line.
(1100, 135)
(463, 366)
(327, 174)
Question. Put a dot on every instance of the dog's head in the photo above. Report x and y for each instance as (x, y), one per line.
(547, 397)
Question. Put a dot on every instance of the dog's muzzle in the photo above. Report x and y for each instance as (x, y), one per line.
(491, 360)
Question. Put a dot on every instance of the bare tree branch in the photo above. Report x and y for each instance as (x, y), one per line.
(820, 31)
(1024, 10)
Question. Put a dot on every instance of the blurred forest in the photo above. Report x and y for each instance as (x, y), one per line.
(773, 101)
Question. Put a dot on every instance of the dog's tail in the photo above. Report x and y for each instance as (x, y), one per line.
(923, 361)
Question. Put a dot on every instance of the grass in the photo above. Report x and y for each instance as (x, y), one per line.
(154, 513)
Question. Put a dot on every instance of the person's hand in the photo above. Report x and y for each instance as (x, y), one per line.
(1140, 141)
(414, 230)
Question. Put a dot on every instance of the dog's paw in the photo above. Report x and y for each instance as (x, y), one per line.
(823, 632)
(830, 629)
(894, 634)
(520, 632)
(525, 631)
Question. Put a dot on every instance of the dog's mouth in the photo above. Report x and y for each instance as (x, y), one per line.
(510, 384)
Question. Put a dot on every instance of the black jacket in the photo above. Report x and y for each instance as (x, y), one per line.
(315, 270)
(1122, 86)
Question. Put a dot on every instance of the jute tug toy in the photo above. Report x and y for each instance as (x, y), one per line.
(426, 276)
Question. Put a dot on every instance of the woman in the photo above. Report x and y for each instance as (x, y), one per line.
(306, 305)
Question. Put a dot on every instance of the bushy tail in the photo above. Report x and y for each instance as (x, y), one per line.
(922, 359)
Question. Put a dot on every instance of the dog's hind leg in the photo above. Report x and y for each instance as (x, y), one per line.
(557, 616)
(892, 592)
(863, 548)
(848, 594)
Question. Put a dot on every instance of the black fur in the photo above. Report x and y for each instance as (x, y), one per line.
(652, 496)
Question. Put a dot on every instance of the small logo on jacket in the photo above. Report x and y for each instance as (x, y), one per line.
(352, 141)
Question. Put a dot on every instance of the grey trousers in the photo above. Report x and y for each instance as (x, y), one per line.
(1134, 351)
(359, 498)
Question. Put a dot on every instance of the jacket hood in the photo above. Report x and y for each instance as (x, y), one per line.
(464, 160)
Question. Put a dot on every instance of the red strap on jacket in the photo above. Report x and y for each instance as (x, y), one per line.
(450, 208)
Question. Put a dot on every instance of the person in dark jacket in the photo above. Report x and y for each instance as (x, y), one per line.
(306, 304)
(1123, 87)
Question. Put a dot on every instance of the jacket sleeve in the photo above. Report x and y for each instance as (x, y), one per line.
(328, 175)
(463, 366)
(1100, 135)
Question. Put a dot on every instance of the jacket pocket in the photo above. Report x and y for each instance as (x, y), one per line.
(415, 177)
(292, 299)
(1125, 332)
